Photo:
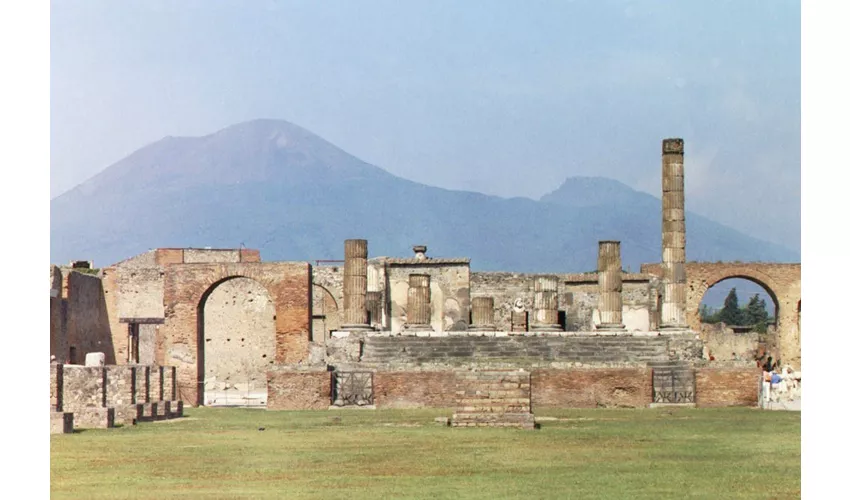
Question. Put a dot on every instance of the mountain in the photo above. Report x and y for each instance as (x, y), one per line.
(271, 185)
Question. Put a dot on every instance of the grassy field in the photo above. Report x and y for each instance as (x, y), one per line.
(605, 454)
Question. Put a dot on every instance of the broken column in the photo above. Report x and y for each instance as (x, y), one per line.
(482, 314)
(546, 305)
(673, 234)
(609, 268)
(419, 303)
(355, 316)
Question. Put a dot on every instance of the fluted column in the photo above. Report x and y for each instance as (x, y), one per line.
(419, 303)
(546, 305)
(354, 286)
(609, 269)
(673, 235)
(482, 314)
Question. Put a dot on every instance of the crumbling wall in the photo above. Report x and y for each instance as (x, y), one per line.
(724, 344)
(58, 317)
(727, 386)
(239, 336)
(327, 302)
(592, 388)
(88, 328)
(299, 389)
(578, 298)
(450, 299)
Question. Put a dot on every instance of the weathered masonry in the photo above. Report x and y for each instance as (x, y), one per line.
(419, 331)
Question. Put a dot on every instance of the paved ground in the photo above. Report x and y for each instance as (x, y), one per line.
(795, 405)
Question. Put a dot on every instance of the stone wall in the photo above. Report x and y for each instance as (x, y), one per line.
(88, 328)
(83, 387)
(450, 299)
(727, 386)
(56, 382)
(239, 336)
(591, 388)
(578, 298)
(724, 344)
(327, 302)
(298, 389)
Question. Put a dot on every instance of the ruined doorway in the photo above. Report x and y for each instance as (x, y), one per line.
(743, 336)
(325, 314)
(236, 343)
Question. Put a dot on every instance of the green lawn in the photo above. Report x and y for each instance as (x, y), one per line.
(605, 454)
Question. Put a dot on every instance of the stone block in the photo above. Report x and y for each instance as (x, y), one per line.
(95, 359)
(129, 414)
(61, 422)
(94, 418)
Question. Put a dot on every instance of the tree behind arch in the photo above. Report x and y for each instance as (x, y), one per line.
(731, 314)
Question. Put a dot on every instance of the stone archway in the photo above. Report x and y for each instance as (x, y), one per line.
(236, 342)
(326, 315)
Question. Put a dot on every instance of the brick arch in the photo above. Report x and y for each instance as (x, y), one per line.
(699, 285)
(186, 286)
(782, 281)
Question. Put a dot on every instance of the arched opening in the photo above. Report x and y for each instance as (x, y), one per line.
(738, 319)
(236, 343)
(325, 314)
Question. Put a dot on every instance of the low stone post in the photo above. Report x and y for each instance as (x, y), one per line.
(546, 305)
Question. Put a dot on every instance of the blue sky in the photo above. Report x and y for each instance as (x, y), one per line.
(505, 98)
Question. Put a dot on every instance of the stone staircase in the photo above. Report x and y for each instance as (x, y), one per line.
(493, 398)
(575, 349)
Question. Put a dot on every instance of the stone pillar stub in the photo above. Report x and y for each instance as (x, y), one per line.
(482, 314)
(609, 269)
(419, 303)
(673, 316)
(354, 283)
(546, 305)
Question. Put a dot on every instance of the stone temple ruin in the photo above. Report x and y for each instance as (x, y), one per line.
(220, 327)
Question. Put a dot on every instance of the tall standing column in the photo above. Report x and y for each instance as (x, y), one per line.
(546, 305)
(609, 269)
(419, 303)
(354, 286)
(673, 234)
(482, 314)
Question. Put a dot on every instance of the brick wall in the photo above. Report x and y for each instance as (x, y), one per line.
(415, 389)
(298, 390)
(591, 388)
(727, 386)
(186, 287)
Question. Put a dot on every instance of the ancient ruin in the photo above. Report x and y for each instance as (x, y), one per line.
(221, 327)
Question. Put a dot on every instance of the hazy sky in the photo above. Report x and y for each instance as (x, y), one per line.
(505, 98)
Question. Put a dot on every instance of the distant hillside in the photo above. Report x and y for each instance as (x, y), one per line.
(272, 185)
